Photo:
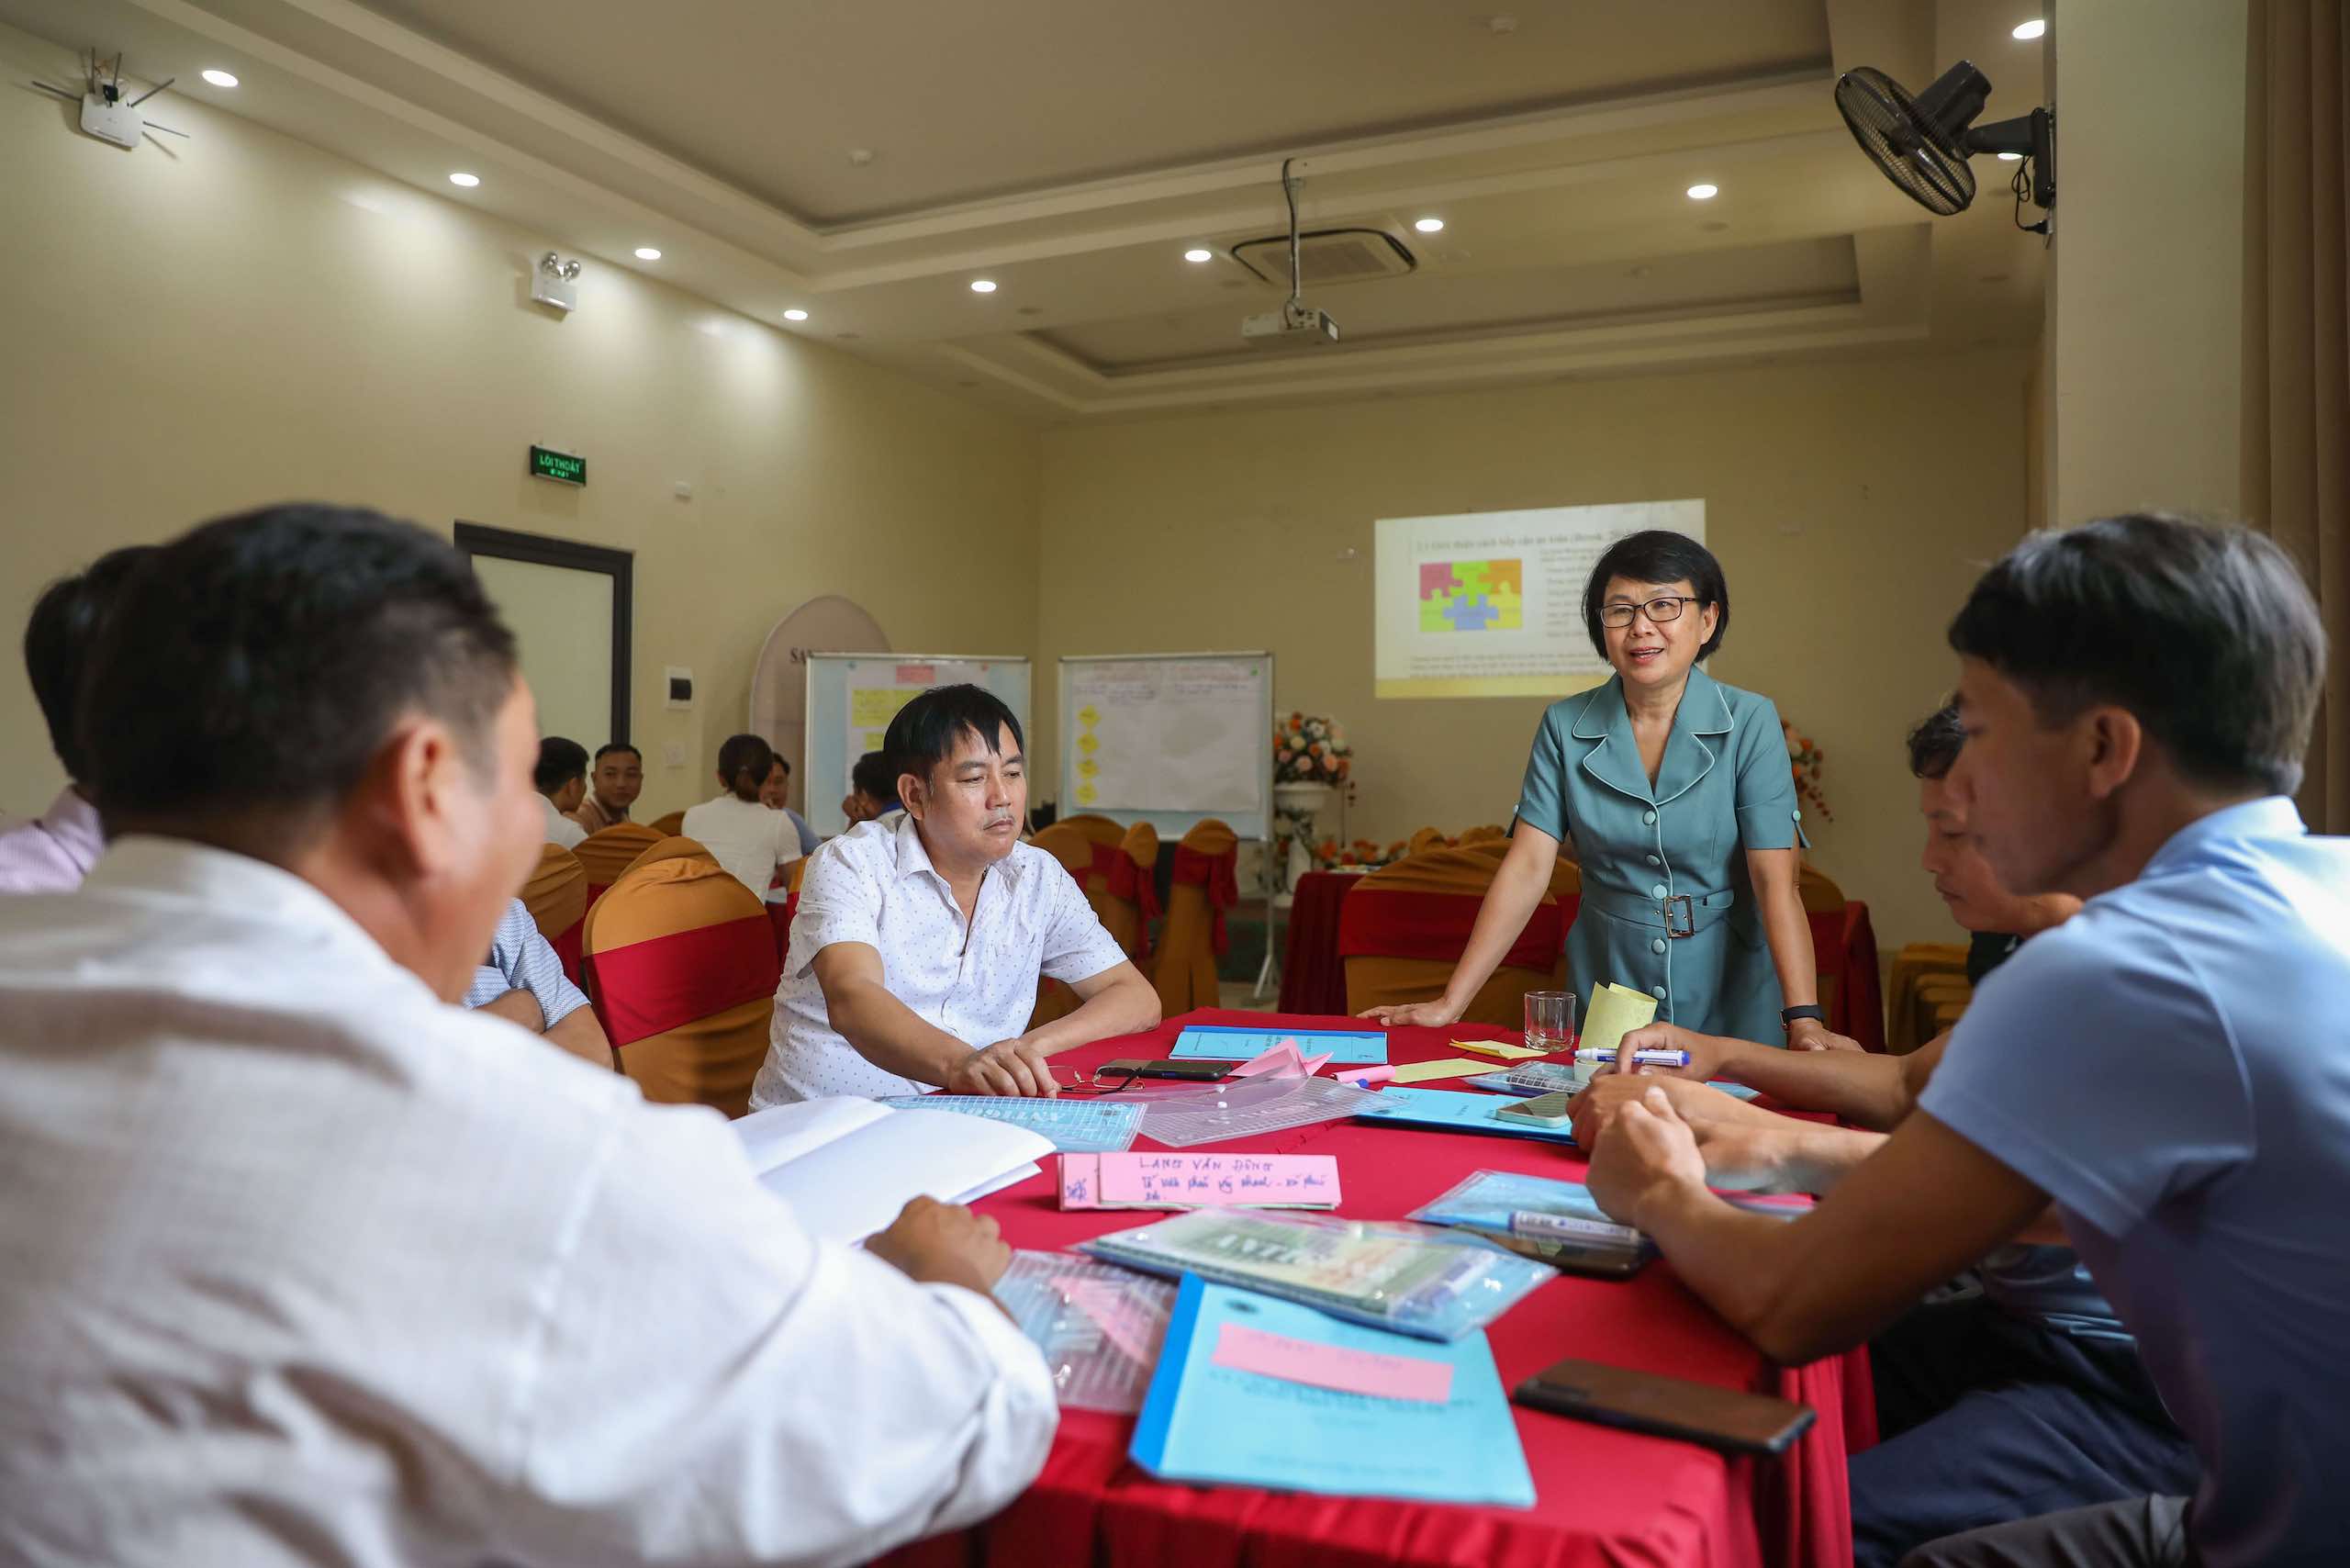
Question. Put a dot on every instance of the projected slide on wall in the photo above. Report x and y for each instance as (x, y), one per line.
(1490, 603)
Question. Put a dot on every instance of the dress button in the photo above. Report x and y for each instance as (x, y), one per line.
(1654, 861)
(1657, 891)
(1656, 944)
(1657, 992)
(1799, 816)
(1648, 818)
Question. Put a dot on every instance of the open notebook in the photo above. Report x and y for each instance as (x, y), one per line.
(847, 1166)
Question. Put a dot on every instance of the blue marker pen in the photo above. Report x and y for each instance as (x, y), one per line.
(1604, 1055)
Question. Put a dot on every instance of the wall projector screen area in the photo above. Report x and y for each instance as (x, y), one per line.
(1489, 604)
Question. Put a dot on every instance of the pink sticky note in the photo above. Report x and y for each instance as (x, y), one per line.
(1081, 1181)
(1123, 1321)
(1332, 1366)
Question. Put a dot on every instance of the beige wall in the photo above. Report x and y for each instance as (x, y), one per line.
(1849, 542)
(241, 319)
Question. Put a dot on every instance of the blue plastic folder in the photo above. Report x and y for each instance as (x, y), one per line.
(1448, 1110)
(1210, 1423)
(1075, 1126)
(1216, 1042)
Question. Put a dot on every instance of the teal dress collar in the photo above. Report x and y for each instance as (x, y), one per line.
(1615, 761)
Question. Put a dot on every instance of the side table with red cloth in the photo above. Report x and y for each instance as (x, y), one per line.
(1604, 1497)
(1843, 944)
(1314, 978)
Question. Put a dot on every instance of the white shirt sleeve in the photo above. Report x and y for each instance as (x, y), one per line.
(713, 1386)
(1077, 945)
(840, 900)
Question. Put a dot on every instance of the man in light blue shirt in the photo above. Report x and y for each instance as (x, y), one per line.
(523, 981)
(2171, 1067)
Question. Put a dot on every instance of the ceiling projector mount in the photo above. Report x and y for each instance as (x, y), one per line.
(1295, 321)
(1922, 143)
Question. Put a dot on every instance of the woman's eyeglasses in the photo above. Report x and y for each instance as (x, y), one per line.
(1663, 608)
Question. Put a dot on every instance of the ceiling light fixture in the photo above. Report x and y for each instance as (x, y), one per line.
(982, 286)
(220, 78)
(2031, 30)
(795, 315)
(1195, 255)
(1429, 225)
(648, 253)
(1704, 193)
(2010, 157)
(467, 181)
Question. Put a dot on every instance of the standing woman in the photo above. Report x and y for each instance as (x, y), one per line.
(1676, 793)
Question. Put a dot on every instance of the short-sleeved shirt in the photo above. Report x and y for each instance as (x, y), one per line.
(520, 960)
(976, 980)
(2172, 1067)
(1724, 787)
(52, 852)
(748, 838)
(561, 829)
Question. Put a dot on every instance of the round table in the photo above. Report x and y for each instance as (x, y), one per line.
(1604, 1497)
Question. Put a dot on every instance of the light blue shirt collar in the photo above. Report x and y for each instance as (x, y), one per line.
(2272, 816)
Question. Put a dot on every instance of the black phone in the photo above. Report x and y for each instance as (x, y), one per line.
(1701, 1413)
(1190, 1071)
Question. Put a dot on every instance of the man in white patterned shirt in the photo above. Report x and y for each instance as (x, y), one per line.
(920, 936)
(304, 1265)
(523, 981)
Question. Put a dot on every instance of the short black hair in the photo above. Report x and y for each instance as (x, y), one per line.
(1658, 555)
(924, 731)
(611, 747)
(745, 762)
(258, 662)
(61, 635)
(560, 762)
(2206, 633)
(1935, 743)
(872, 775)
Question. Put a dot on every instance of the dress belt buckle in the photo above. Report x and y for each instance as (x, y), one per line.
(1686, 925)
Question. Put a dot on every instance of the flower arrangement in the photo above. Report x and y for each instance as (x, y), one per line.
(1363, 853)
(1804, 759)
(1310, 751)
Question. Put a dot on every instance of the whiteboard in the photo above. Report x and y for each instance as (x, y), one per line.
(1169, 739)
(853, 696)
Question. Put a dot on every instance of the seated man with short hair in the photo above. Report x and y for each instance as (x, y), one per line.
(561, 779)
(524, 983)
(305, 1265)
(872, 789)
(618, 780)
(52, 852)
(920, 936)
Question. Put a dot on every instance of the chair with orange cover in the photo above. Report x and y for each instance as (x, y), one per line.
(1403, 929)
(557, 896)
(1485, 834)
(1428, 839)
(1206, 883)
(669, 827)
(1117, 881)
(611, 851)
(681, 966)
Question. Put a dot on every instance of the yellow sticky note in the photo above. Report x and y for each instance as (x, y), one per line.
(1501, 1049)
(1616, 1011)
(1423, 1072)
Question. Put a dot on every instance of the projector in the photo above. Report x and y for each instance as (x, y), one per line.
(1293, 324)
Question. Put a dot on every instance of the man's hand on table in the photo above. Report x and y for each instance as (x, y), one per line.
(1646, 1148)
(1008, 1068)
(935, 1243)
(1699, 1103)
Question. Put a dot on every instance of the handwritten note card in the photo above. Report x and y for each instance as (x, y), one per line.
(1199, 1181)
(1344, 1368)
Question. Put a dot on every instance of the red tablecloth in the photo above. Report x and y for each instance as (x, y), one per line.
(1314, 978)
(1604, 1497)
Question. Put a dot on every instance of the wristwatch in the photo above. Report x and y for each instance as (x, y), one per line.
(1790, 1016)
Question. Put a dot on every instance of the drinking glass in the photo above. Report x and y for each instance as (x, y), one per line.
(1549, 1020)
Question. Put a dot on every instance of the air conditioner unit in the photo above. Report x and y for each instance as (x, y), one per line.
(1327, 255)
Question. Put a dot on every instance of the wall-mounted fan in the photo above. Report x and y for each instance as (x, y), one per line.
(1923, 143)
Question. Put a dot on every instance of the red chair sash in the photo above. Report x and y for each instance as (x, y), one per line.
(1220, 875)
(647, 988)
(1122, 879)
(1372, 924)
(567, 949)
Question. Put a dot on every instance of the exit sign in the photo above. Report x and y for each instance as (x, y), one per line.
(547, 463)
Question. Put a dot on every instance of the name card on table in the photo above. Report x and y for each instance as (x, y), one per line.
(1199, 1181)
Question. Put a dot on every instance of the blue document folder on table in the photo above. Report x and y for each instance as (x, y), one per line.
(1207, 1420)
(1217, 1042)
(1448, 1110)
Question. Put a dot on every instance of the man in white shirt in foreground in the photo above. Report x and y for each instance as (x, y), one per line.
(304, 1265)
(920, 936)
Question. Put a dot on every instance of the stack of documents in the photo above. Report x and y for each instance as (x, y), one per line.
(847, 1166)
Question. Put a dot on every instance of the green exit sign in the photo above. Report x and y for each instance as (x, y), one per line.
(559, 465)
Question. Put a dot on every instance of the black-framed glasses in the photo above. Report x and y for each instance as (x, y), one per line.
(1659, 610)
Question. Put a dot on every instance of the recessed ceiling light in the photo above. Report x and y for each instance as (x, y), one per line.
(1429, 225)
(1704, 193)
(2033, 29)
(795, 315)
(468, 180)
(982, 286)
(2010, 157)
(648, 253)
(1196, 254)
(220, 78)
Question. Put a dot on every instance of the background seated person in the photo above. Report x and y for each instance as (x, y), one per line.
(2020, 1396)
(920, 936)
(561, 779)
(378, 1284)
(613, 788)
(776, 795)
(873, 790)
(52, 852)
(737, 829)
(523, 982)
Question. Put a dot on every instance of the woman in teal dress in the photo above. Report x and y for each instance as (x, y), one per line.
(1676, 794)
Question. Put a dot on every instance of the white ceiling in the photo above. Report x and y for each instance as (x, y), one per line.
(1072, 150)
